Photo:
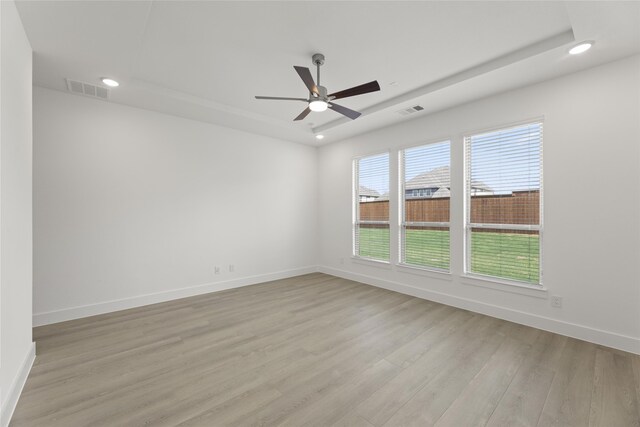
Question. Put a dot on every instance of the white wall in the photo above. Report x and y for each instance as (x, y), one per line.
(16, 347)
(133, 206)
(591, 244)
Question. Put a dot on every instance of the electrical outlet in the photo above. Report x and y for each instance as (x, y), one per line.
(556, 301)
(216, 269)
(231, 268)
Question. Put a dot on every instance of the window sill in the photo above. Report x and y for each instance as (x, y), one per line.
(419, 271)
(371, 262)
(505, 286)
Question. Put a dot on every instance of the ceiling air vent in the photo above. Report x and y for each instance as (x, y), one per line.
(88, 89)
(407, 111)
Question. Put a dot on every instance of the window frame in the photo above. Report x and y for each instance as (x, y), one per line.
(468, 225)
(355, 205)
(402, 223)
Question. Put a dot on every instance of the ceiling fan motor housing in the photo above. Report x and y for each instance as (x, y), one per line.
(322, 93)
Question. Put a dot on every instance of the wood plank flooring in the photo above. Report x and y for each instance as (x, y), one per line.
(319, 350)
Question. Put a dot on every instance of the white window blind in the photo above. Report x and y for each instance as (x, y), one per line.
(371, 207)
(504, 199)
(425, 199)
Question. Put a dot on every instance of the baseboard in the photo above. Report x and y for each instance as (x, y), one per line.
(46, 318)
(10, 400)
(597, 336)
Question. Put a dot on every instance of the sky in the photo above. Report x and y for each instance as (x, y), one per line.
(506, 160)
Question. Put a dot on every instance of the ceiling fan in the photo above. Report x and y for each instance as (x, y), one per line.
(318, 99)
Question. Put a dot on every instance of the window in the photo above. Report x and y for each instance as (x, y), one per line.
(425, 179)
(503, 198)
(421, 192)
(371, 207)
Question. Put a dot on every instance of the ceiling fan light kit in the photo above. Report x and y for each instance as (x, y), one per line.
(318, 105)
(319, 99)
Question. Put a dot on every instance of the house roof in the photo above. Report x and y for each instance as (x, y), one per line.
(368, 192)
(442, 192)
(438, 178)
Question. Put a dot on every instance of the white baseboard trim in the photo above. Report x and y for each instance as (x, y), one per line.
(10, 400)
(597, 336)
(46, 318)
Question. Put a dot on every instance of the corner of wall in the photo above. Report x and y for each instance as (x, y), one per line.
(17, 347)
(10, 401)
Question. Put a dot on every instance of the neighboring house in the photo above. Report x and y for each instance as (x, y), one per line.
(367, 194)
(436, 183)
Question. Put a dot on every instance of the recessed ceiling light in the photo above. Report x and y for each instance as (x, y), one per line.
(110, 82)
(581, 48)
(319, 136)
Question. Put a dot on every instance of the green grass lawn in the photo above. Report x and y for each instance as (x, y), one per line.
(374, 243)
(427, 248)
(510, 256)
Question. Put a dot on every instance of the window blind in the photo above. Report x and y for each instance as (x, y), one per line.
(425, 199)
(371, 207)
(503, 190)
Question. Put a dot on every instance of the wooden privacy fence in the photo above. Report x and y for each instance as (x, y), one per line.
(521, 207)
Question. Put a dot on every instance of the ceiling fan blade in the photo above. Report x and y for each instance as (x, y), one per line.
(278, 98)
(345, 111)
(302, 115)
(357, 90)
(306, 77)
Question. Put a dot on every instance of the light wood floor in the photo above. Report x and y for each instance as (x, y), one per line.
(322, 351)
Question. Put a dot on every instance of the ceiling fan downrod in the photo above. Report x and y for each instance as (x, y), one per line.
(318, 60)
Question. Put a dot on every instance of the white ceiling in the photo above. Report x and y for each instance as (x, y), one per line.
(206, 60)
